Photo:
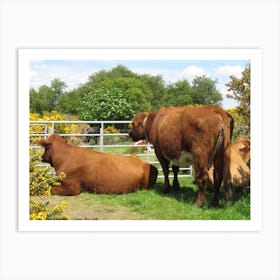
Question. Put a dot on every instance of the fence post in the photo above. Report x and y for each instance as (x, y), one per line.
(45, 131)
(52, 128)
(102, 137)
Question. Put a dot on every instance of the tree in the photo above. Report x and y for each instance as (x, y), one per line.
(105, 104)
(240, 90)
(136, 92)
(55, 93)
(135, 88)
(57, 88)
(157, 87)
(36, 103)
(178, 94)
(204, 91)
(239, 128)
(47, 98)
(69, 102)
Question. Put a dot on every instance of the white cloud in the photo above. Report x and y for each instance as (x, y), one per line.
(167, 75)
(43, 74)
(188, 73)
(172, 76)
(228, 70)
(222, 74)
(192, 71)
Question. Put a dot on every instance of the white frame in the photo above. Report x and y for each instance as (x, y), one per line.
(254, 55)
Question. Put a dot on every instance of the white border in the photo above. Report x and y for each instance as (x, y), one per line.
(24, 58)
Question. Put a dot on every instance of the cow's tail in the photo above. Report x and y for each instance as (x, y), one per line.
(219, 141)
(227, 180)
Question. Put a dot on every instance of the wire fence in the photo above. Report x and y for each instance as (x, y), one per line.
(103, 136)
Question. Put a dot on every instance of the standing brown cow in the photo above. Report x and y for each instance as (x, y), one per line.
(182, 135)
(97, 172)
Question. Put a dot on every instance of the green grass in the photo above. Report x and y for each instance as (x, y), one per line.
(155, 205)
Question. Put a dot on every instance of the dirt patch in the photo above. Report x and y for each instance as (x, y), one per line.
(81, 208)
(99, 211)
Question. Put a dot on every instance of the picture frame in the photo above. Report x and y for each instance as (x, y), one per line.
(26, 56)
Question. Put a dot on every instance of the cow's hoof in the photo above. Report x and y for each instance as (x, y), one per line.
(214, 203)
(167, 189)
(176, 188)
(199, 202)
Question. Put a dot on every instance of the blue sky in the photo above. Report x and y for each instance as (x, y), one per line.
(75, 72)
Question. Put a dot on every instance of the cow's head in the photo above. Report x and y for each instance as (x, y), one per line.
(244, 150)
(137, 131)
(47, 145)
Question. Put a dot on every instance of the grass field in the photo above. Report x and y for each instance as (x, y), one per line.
(154, 205)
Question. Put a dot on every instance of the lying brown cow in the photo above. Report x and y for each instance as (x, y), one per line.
(243, 146)
(182, 135)
(97, 172)
(240, 172)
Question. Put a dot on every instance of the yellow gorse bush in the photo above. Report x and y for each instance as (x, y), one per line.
(60, 128)
(111, 130)
(41, 180)
(40, 210)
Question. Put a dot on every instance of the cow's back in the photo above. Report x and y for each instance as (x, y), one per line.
(177, 129)
(107, 173)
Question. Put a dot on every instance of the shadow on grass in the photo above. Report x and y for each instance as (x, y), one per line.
(188, 195)
(185, 194)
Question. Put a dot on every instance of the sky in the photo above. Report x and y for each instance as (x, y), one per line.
(76, 72)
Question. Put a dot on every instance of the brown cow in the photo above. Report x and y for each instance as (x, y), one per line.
(239, 170)
(182, 135)
(94, 171)
(243, 146)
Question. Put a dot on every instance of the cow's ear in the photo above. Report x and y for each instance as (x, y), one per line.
(44, 143)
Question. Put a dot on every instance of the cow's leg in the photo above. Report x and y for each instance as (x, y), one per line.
(165, 168)
(201, 177)
(176, 185)
(218, 177)
(68, 187)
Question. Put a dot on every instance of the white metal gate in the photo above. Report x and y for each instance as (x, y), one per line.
(96, 139)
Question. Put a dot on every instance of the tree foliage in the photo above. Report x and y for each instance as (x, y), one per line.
(70, 102)
(135, 90)
(105, 104)
(178, 94)
(157, 87)
(47, 97)
(240, 129)
(240, 90)
(204, 91)
(119, 93)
